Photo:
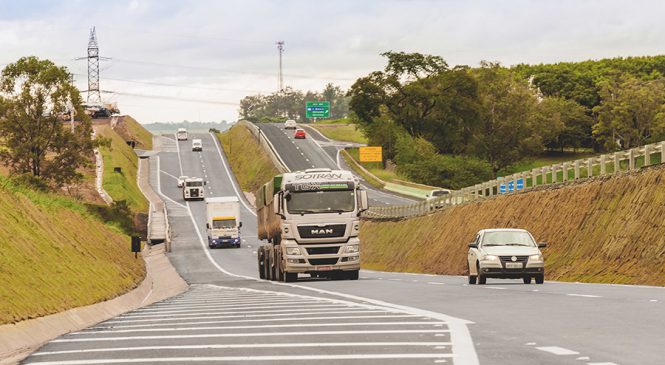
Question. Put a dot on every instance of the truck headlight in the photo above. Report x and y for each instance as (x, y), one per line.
(490, 258)
(352, 258)
(352, 249)
(293, 251)
(538, 257)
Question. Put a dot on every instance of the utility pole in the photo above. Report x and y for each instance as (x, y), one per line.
(71, 104)
(280, 49)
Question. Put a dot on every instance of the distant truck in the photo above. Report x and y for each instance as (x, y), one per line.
(181, 135)
(197, 145)
(223, 221)
(193, 188)
(311, 221)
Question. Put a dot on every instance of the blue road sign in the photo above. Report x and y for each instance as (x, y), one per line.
(504, 188)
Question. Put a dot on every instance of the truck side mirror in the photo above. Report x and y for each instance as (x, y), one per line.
(207, 225)
(364, 200)
(275, 206)
(240, 225)
(473, 245)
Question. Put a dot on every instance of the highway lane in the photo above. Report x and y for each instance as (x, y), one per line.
(301, 154)
(555, 323)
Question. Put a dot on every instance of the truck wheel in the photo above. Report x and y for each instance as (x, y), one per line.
(527, 279)
(353, 274)
(540, 279)
(290, 277)
(260, 257)
(482, 279)
(472, 279)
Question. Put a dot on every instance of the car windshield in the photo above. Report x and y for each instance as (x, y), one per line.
(194, 183)
(508, 238)
(331, 201)
(223, 223)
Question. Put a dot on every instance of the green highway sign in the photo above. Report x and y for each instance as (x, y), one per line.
(317, 109)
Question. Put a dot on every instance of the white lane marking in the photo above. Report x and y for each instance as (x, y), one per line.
(584, 295)
(175, 318)
(653, 300)
(169, 175)
(583, 358)
(252, 334)
(440, 360)
(601, 363)
(226, 307)
(262, 320)
(530, 344)
(307, 159)
(556, 350)
(337, 158)
(250, 358)
(286, 325)
(437, 345)
(293, 311)
(494, 287)
(462, 341)
(435, 283)
(159, 185)
(222, 304)
(395, 279)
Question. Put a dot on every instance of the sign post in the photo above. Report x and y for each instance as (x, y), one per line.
(370, 154)
(317, 109)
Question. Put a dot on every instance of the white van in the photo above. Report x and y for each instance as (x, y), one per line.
(197, 145)
(181, 134)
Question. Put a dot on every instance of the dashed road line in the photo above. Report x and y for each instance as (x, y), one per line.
(556, 350)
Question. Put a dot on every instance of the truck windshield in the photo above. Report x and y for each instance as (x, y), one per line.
(508, 238)
(331, 201)
(194, 183)
(225, 223)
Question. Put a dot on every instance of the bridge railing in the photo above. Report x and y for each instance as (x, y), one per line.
(605, 164)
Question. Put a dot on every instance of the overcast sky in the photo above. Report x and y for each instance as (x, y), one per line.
(218, 51)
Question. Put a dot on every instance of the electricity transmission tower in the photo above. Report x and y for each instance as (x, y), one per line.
(93, 69)
(280, 49)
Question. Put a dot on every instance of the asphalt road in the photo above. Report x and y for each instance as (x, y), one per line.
(441, 317)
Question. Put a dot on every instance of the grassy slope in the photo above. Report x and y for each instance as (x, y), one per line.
(138, 132)
(250, 164)
(605, 230)
(121, 186)
(54, 256)
(340, 130)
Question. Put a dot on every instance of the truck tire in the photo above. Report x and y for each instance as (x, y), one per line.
(260, 257)
(290, 277)
(540, 278)
(482, 279)
(526, 279)
(353, 274)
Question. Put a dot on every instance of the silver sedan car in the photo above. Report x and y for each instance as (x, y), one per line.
(505, 254)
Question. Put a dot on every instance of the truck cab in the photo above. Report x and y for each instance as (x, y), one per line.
(311, 221)
(193, 188)
(181, 135)
(223, 222)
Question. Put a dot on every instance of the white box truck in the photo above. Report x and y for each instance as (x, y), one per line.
(311, 220)
(223, 221)
(193, 188)
(181, 134)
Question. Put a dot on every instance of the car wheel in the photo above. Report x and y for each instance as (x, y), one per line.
(482, 279)
(527, 279)
(540, 279)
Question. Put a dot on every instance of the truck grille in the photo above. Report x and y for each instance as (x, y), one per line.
(331, 261)
(326, 231)
(194, 193)
(322, 250)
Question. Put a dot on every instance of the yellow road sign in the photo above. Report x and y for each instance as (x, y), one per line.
(371, 154)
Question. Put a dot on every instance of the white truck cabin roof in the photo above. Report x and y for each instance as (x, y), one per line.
(222, 199)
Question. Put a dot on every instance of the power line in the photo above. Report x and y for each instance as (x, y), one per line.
(164, 97)
(179, 86)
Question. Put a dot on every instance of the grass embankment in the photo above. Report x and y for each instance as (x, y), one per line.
(608, 229)
(135, 131)
(353, 164)
(56, 254)
(250, 164)
(121, 185)
(340, 130)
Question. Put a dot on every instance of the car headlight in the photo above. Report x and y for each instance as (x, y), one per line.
(293, 251)
(538, 257)
(352, 249)
(490, 258)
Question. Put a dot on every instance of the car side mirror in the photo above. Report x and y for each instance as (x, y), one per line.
(473, 245)
(240, 225)
(542, 244)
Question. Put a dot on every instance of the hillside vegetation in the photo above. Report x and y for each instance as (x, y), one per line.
(250, 164)
(122, 185)
(55, 254)
(346, 132)
(129, 128)
(608, 230)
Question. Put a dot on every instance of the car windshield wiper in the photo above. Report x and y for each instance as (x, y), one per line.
(303, 212)
(515, 244)
(491, 244)
(340, 211)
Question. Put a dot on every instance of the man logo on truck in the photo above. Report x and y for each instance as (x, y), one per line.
(322, 231)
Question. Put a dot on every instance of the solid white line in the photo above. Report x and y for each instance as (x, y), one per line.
(243, 346)
(584, 295)
(435, 283)
(251, 334)
(159, 184)
(494, 287)
(174, 318)
(240, 196)
(601, 363)
(287, 325)
(216, 303)
(250, 358)
(223, 306)
(556, 350)
(294, 311)
(169, 175)
(238, 309)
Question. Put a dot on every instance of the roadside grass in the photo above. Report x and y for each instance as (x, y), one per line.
(334, 121)
(546, 159)
(607, 230)
(340, 132)
(121, 185)
(352, 163)
(250, 164)
(138, 132)
(57, 253)
(376, 168)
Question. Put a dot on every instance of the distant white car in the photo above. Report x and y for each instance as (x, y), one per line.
(505, 254)
(436, 196)
(290, 124)
(181, 180)
(197, 145)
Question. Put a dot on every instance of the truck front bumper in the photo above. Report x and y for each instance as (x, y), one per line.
(223, 242)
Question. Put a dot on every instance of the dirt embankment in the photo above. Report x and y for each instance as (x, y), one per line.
(608, 229)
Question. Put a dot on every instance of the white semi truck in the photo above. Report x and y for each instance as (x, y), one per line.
(311, 221)
(193, 188)
(223, 221)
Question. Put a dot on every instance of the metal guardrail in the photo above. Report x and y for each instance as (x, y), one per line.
(267, 146)
(601, 165)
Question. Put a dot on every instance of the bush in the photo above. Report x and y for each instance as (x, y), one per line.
(118, 214)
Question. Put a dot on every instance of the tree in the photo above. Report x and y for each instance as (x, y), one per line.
(339, 102)
(631, 113)
(34, 94)
(506, 133)
(563, 123)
